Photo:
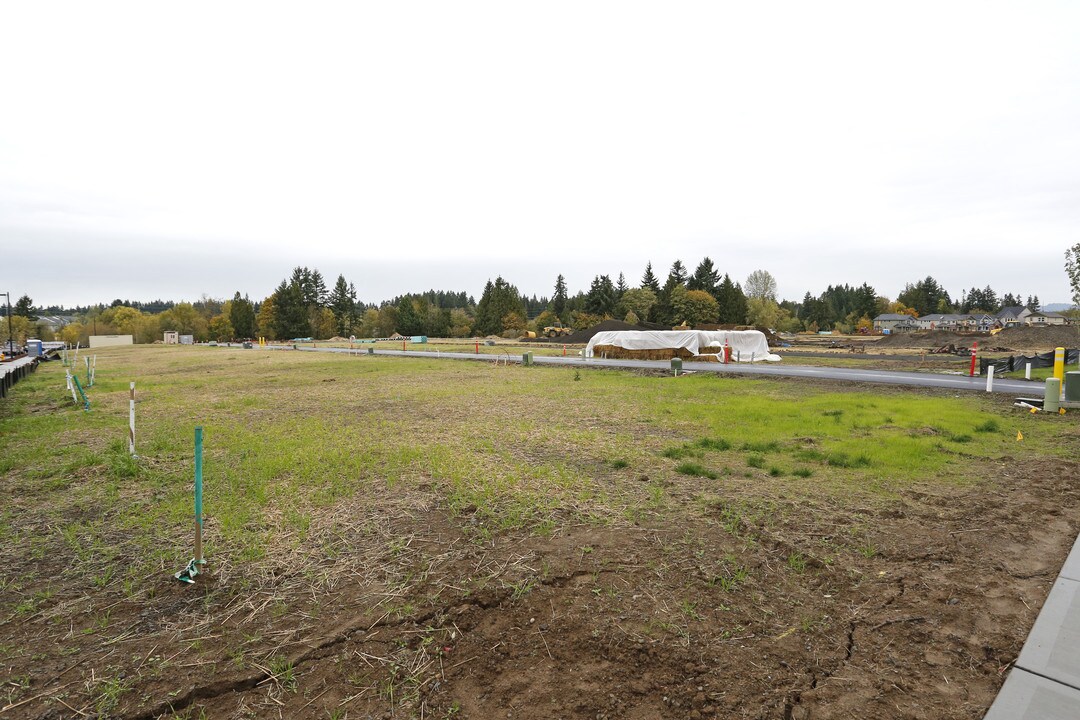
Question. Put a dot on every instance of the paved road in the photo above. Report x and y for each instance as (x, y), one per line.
(784, 369)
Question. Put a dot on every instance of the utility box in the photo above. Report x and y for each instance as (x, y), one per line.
(33, 349)
(676, 366)
(1072, 387)
(527, 358)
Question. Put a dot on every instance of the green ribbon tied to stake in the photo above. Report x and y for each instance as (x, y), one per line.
(189, 573)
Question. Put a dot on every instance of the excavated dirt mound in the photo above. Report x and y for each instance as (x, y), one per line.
(932, 339)
(584, 336)
(1032, 339)
(1040, 339)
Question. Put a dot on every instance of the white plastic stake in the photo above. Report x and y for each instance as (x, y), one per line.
(990, 379)
(1027, 371)
(131, 421)
(71, 387)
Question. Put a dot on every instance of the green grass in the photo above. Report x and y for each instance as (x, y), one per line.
(292, 436)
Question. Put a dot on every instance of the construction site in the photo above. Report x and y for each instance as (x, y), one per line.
(387, 533)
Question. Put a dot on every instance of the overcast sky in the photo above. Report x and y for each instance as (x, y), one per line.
(170, 150)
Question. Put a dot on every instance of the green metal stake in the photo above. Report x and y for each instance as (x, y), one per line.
(86, 402)
(188, 574)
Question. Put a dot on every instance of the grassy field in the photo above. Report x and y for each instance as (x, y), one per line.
(328, 475)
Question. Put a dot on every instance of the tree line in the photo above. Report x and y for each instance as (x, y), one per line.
(303, 305)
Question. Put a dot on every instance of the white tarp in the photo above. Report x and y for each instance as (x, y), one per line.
(746, 345)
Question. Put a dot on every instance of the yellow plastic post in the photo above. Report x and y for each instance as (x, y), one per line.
(1059, 364)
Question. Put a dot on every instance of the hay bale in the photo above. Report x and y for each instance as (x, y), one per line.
(618, 353)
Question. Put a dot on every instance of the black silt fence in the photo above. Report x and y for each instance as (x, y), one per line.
(1017, 362)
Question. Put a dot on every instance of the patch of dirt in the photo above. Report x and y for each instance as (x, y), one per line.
(1018, 339)
(798, 607)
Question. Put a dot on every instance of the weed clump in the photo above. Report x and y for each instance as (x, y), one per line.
(756, 461)
(716, 444)
(843, 460)
(988, 427)
(695, 470)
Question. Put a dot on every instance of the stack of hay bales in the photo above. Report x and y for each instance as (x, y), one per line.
(709, 346)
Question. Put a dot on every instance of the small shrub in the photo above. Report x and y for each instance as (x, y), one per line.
(802, 472)
(619, 464)
(775, 471)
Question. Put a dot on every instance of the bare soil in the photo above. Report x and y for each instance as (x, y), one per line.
(711, 614)
(1019, 339)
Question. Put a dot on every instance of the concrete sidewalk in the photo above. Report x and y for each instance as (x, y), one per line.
(1044, 684)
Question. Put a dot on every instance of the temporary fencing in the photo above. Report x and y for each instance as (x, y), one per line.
(1019, 362)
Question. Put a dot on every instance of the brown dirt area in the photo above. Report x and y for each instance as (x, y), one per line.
(1019, 339)
(700, 618)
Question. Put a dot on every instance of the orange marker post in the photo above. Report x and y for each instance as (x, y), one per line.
(974, 345)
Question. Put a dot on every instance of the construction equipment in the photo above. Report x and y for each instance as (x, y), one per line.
(557, 330)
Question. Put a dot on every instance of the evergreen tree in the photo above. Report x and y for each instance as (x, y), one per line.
(292, 317)
(649, 281)
(24, 307)
(705, 278)
(242, 316)
(342, 301)
(318, 289)
(677, 275)
(1010, 300)
(409, 321)
(499, 300)
(926, 297)
(620, 287)
(732, 302)
(1032, 303)
(663, 312)
(601, 299)
(558, 302)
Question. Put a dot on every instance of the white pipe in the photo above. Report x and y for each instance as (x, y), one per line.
(1027, 371)
(990, 379)
(131, 421)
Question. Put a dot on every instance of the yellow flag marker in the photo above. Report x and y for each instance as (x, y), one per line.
(1061, 411)
(1019, 436)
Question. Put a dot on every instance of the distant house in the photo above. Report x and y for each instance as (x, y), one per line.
(985, 322)
(949, 321)
(54, 322)
(1012, 316)
(895, 322)
(1042, 319)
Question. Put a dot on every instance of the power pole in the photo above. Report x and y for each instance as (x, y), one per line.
(10, 346)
